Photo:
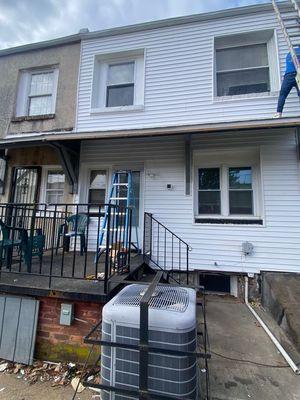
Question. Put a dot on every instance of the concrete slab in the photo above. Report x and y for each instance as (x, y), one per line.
(234, 333)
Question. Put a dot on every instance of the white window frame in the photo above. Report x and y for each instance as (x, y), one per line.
(225, 160)
(100, 77)
(23, 95)
(45, 171)
(268, 37)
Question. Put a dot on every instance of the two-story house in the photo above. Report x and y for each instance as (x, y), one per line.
(186, 104)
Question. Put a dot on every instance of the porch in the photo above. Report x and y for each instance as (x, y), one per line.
(62, 250)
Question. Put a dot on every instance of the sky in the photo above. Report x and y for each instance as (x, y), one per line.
(27, 21)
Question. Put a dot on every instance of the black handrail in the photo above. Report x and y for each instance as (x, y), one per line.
(165, 249)
(62, 241)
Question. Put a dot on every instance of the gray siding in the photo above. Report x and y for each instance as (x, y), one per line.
(179, 76)
(276, 243)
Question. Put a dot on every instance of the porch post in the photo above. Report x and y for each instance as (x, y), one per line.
(188, 168)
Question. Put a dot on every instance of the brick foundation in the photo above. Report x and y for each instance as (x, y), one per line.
(57, 342)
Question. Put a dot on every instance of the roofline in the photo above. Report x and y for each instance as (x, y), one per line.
(188, 19)
(230, 12)
(219, 127)
(76, 38)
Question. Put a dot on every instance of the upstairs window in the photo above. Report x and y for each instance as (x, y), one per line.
(120, 85)
(40, 93)
(246, 64)
(118, 82)
(242, 70)
(37, 93)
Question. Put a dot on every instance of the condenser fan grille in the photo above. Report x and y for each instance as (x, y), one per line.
(166, 297)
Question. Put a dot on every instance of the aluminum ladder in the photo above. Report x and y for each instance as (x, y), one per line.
(121, 194)
(289, 20)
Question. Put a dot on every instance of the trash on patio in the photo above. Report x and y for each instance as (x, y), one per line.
(58, 374)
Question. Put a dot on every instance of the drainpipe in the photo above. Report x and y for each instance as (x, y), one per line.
(269, 333)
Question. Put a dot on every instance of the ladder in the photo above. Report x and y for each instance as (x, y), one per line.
(289, 21)
(121, 194)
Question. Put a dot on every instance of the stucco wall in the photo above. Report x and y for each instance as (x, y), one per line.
(67, 59)
(39, 155)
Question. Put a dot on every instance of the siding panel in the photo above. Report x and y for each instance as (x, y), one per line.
(216, 247)
(179, 76)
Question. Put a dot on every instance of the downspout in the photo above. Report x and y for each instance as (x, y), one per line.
(269, 333)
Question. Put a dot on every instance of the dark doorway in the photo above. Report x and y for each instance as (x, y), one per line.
(215, 282)
(25, 184)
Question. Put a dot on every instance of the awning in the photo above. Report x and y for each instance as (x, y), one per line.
(33, 139)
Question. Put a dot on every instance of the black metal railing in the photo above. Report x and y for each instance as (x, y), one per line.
(63, 241)
(165, 249)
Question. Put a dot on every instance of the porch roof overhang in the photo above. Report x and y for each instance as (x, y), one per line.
(48, 138)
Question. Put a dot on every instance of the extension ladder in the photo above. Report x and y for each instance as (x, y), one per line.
(121, 194)
(289, 21)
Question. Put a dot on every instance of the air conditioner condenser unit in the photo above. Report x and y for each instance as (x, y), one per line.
(172, 325)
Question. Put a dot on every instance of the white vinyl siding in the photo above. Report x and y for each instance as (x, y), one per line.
(217, 247)
(180, 76)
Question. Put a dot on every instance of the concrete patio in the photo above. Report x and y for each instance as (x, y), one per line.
(234, 333)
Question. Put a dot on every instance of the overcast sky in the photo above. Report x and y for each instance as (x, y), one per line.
(25, 21)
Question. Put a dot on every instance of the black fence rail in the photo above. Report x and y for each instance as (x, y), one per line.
(166, 250)
(64, 241)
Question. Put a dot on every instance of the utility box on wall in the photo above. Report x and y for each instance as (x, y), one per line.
(66, 314)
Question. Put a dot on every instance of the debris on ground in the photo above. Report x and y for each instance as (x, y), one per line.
(59, 374)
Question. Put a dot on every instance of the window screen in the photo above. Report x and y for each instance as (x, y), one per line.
(242, 70)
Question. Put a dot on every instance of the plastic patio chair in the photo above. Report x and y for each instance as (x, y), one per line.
(32, 247)
(75, 225)
(7, 243)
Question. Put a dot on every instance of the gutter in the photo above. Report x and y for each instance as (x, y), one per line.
(218, 128)
(284, 354)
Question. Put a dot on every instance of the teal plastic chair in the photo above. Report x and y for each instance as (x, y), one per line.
(75, 226)
(32, 247)
(7, 244)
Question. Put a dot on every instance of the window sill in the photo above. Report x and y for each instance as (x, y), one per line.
(33, 118)
(104, 110)
(220, 99)
(229, 221)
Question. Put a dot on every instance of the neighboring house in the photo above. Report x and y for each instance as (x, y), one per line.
(38, 95)
(187, 105)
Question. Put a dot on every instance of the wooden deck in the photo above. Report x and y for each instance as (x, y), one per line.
(69, 275)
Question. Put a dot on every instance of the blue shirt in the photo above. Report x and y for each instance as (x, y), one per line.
(290, 67)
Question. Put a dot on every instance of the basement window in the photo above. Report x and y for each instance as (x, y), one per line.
(246, 64)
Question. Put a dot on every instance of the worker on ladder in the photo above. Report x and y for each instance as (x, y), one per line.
(289, 81)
